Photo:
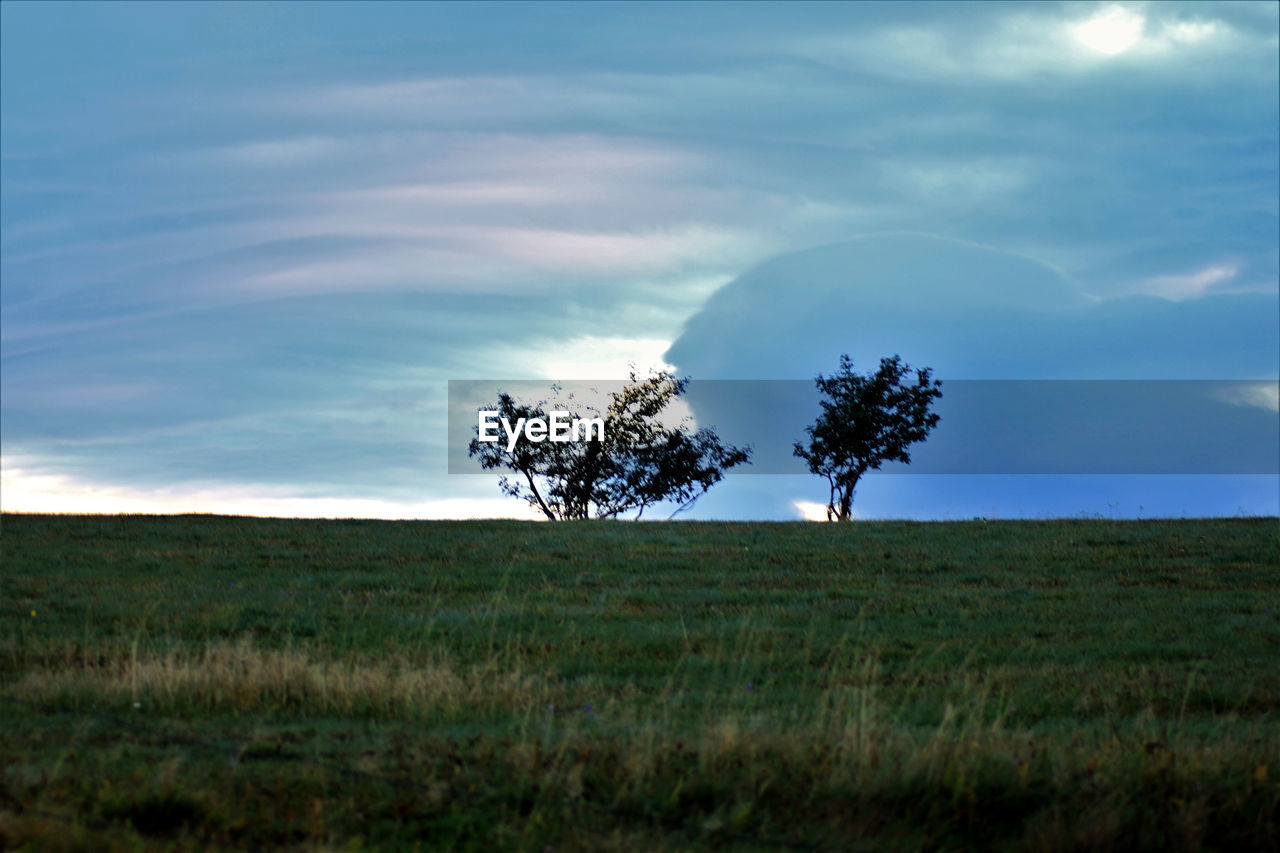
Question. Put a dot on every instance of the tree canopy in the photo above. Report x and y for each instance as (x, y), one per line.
(866, 420)
(639, 461)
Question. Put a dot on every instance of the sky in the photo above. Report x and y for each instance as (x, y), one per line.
(245, 247)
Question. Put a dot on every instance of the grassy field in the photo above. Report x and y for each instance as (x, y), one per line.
(201, 682)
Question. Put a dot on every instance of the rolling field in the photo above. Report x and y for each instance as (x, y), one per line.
(199, 682)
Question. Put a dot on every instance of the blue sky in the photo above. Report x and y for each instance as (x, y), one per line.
(243, 247)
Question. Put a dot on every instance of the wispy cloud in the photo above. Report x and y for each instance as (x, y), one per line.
(1262, 395)
(1190, 285)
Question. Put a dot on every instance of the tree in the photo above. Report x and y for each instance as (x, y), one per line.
(638, 462)
(866, 421)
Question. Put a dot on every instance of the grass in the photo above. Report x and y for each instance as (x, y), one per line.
(199, 682)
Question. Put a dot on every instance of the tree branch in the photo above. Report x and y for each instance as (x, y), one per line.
(533, 487)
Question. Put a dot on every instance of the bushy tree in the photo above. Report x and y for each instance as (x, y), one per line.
(639, 462)
(866, 421)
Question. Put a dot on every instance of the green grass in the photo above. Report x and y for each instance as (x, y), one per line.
(201, 682)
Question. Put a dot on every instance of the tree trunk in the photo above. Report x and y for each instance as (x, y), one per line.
(846, 496)
(538, 497)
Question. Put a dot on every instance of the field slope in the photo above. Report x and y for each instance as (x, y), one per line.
(199, 682)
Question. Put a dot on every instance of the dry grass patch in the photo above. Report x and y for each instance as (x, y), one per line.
(241, 676)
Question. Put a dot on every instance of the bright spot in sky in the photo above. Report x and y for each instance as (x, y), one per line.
(593, 357)
(811, 511)
(29, 491)
(1111, 31)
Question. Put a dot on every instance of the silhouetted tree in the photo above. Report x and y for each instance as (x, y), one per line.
(639, 462)
(866, 421)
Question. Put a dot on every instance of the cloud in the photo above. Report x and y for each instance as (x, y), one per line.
(1263, 395)
(1112, 30)
(1117, 29)
(207, 276)
(538, 192)
(971, 312)
(588, 252)
(968, 311)
(985, 179)
(469, 212)
(278, 153)
(22, 490)
(597, 357)
(1012, 44)
(1189, 285)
